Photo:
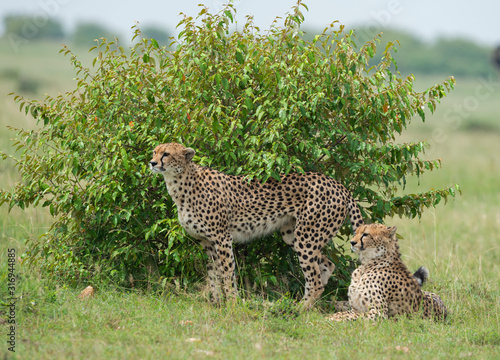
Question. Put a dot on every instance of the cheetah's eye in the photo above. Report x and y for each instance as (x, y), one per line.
(165, 155)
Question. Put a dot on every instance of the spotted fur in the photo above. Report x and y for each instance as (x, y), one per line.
(308, 209)
(383, 287)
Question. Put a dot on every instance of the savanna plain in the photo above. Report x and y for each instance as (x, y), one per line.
(458, 242)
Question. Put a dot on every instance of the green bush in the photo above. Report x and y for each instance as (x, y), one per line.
(250, 102)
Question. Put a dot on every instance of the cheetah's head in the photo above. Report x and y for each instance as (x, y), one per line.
(374, 240)
(170, 159)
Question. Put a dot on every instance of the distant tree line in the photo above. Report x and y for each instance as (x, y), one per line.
(457, 57)
(20, 28)
(446, 56)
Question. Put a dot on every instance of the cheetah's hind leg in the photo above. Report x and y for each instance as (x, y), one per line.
(326, 266)
(434, 306)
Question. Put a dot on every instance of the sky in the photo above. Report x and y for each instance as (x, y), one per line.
(477, 20)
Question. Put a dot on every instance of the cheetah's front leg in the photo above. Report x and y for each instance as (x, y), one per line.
(373, 314)
(344, 316)
(212, 267)
(377, 310)
(224, 248)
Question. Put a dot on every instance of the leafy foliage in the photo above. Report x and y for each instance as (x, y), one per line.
(254, 103)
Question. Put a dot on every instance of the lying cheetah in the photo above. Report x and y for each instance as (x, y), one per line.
(218, 209)
(382, 286)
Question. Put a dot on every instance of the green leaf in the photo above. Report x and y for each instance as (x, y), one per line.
(125, 159)
(215, 126)
(229, 15)
(239, 57)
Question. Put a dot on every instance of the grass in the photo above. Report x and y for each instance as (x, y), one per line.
(114, 324)
(458, 242)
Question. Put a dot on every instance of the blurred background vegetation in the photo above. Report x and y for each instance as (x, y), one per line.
(30, 66)
(22, 27)
(444, 56)
(458, 242)
(469, 112)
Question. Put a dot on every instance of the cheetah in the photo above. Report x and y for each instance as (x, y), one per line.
(219, 209)
(382, 286)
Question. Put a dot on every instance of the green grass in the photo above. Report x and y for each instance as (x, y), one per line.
(54, 324)
(458, 242)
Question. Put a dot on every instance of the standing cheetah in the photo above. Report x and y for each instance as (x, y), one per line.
(218, 209)
(382, 286)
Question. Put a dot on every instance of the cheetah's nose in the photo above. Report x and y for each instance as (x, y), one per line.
(153, 163)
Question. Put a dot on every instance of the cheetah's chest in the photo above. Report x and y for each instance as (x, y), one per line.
(192, 223)
(359, 296)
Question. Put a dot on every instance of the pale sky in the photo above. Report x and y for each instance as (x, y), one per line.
(477, 20)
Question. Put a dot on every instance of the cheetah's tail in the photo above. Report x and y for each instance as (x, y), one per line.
(421, 275)
(354, 213)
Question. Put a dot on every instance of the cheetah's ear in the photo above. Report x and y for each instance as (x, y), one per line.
(392, 230)
(189, 153)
